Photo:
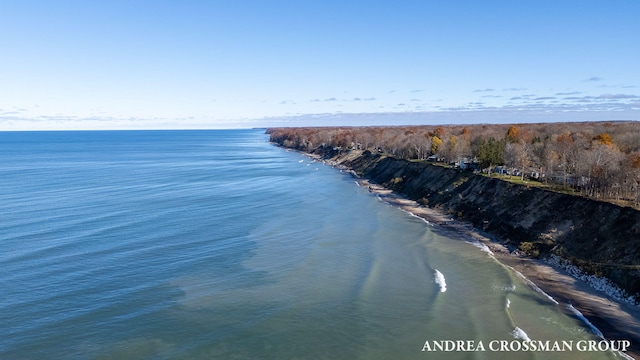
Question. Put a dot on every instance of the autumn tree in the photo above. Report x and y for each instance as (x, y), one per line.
(439, 132)
(601, 159)
(435, 144)
(603, 139)
(512, 134)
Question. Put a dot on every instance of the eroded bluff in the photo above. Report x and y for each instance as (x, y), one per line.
(598, 237)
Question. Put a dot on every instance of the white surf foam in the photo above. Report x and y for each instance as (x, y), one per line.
(504, 288)
(535, 287)
(416, 216)
(439, 279)
(480, 246)
(593, 329)
(520, 334)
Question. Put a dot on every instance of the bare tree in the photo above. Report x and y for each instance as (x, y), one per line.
(516, 155)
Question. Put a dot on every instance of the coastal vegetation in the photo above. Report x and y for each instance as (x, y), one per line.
(598, 160)
(499, 177)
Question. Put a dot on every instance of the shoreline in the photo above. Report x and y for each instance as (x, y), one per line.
(613, 319)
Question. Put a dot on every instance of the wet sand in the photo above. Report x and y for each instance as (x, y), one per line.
(614, 319)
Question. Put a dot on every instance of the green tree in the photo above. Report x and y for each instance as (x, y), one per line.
(491, 153)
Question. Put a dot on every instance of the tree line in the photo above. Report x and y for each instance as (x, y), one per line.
(600, 160)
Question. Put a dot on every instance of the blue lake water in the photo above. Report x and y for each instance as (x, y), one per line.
(219, 245)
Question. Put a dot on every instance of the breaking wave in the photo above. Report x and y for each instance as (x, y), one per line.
(439, 279)
(520, 334)
(592, 327)
(481, 246)
(535, 287)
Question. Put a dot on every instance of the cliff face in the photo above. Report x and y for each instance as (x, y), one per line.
(598, 237)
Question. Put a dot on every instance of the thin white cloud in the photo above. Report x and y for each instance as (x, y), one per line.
(568, 93)
(603, 97)
(620, 86)
(618, 96)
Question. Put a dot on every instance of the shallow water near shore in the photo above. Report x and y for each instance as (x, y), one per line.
(219, 245)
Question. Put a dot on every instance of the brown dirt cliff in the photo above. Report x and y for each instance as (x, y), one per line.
(600, 238)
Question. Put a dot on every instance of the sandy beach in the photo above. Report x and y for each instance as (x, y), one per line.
(613, 319)
(616, 320)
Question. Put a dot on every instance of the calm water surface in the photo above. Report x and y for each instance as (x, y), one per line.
(218, 245)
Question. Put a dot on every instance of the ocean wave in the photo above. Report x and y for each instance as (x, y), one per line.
(439, 279)
(535, 287)
(520, 334)
(480, 246)
(504, 288)
(417, 216)
(592, 327)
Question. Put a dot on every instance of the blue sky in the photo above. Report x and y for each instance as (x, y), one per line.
(218, 64)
